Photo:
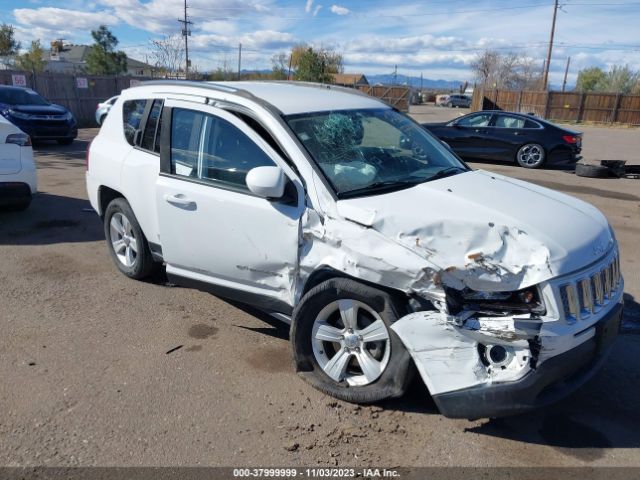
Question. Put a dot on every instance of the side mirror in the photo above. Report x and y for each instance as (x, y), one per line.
(266, 182)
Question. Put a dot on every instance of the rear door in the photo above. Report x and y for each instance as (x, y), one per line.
(214, 232)
(507, 133)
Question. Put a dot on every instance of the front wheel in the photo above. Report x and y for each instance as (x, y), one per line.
(343, 344)
(127, 244)
(530, 155)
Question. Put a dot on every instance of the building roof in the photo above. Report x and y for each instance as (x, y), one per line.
(77, 54)
(288, 97)
(349, 79)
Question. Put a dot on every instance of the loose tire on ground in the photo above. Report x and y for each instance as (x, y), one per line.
(371, 306)
(123, 232)
(592, 171)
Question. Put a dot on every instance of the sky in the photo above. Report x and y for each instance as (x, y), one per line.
(435, 38)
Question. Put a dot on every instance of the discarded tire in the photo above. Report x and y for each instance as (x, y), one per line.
(592, 171)
(617, 167)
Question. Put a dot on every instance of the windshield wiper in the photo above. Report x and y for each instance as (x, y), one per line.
(383, 185)
(446, 172)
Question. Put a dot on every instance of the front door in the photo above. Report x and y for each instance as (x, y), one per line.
(213, 230)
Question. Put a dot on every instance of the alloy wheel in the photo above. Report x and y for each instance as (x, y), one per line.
(351, 342)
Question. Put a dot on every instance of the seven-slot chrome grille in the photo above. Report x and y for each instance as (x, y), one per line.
(588, 294)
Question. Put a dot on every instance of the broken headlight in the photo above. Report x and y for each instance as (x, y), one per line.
(527, 300)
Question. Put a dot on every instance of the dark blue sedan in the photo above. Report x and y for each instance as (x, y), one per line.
(37, 117)
(509, 137)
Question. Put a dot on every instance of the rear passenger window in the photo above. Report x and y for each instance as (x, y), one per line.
(212, 149)
(530, 124)
(151, 136)
(132, 111)
(507, 121)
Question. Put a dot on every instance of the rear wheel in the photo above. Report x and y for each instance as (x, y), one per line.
(531, 155)
(343, 344)
(127, 244)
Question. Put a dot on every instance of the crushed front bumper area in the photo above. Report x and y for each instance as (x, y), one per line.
(548, 382)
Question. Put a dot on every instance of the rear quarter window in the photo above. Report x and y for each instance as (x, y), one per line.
(132, 112)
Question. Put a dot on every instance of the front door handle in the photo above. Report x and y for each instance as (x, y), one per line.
(179, 200)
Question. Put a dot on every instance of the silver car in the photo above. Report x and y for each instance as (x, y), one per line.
(103, 109)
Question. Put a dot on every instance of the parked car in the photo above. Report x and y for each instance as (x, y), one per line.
(346, 219)
(37, 117)
(510, 137)
(18, 180)
(456, 100)
(103, 109)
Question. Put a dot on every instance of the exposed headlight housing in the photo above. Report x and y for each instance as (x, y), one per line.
(527, 300)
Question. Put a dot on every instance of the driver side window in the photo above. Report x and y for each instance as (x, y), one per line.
(212, 149)
(480, 120)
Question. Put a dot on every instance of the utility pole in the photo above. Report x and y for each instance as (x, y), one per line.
(566, 72)
(186, 33)
(545, 79)
(239, 59)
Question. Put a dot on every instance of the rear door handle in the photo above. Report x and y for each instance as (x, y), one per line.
(179, 200)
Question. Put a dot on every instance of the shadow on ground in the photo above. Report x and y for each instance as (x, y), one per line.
(51, 219)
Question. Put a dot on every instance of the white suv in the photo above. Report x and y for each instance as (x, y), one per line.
(18, 179)
(342, 216)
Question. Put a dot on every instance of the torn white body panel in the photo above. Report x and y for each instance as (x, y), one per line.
(447, 355)
(487, 232)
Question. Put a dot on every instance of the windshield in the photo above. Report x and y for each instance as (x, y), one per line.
(369, 151)
(19, 96)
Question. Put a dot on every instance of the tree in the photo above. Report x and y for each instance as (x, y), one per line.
(510, 70)
(280, 64)
(102, 58)
(590, 79)
(315, 65)
(32, 60)
(8, 44)
(620, 79)
(168, 55)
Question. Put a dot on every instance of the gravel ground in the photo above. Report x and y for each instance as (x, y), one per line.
(98, 369)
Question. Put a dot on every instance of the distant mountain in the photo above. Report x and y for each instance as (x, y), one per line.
(389, 79)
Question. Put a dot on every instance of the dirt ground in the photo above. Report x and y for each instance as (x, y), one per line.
(97, 369)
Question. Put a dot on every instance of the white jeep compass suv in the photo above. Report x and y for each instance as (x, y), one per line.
(342, 216)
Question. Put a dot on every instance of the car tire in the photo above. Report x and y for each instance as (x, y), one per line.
(335, 367)
(449, 105)
(531, 155)
(19, 206)
(126, 242)
(102, 119)
(65, 141)
(592, 171)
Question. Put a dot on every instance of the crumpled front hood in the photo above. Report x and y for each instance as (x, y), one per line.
(486, 231)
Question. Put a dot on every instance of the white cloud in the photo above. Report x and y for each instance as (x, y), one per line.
(338, 10)
(58, 18)
(307, 7)
(316, 10)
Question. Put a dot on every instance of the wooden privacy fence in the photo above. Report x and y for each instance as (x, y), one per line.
(79, 93)
(563, 106)
(395, 96)
(82, 93)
